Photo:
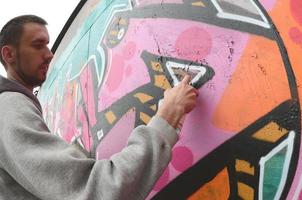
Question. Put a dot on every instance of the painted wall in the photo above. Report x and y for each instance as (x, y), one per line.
(243, 138)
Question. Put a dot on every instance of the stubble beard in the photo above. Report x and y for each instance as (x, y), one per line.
(29, 80)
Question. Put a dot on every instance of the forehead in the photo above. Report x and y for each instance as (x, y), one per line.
(34, 32)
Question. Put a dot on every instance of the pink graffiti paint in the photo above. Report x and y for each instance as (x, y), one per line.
(129, 50)
(193, 44)
(296, 35)
(193, 41)
(268, 4)
(85, 138)
(182, 158)
(119, 134)
(162, 181)
(296, 10)
(300, 196)
(88, 93)
(129, 70)
(116, 73)
(68, 115)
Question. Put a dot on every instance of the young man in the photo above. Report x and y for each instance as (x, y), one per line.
(35, 164)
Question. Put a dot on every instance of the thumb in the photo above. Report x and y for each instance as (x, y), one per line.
(186, 79)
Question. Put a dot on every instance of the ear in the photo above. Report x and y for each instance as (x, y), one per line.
(8, 53)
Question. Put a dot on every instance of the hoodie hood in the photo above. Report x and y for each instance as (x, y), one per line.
(7, 85)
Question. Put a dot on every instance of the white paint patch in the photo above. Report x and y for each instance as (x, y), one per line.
(222, 14)
(200, 71)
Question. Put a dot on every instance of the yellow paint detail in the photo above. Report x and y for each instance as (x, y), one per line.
(272, 132)
(244, 166)
(198, 3)
(161, 82)
(143, 97)
(112, 41)
(122, 22)
(113, 33)
(110, 116)
(153, 107)
(156, 66)
(216, 189)
(245, 192)
(144, 117)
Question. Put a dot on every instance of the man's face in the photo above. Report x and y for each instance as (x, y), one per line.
(33, 54)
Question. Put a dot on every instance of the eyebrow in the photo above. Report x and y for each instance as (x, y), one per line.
(38, 40)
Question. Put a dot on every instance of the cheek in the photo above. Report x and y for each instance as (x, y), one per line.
(30, 59)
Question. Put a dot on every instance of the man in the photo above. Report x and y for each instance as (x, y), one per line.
(35, 164)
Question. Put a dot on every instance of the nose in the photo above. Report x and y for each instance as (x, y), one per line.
(48, 55)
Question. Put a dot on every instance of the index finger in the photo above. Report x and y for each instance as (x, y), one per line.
(186, 79)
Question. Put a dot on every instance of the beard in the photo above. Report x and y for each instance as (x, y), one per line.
(28, 79)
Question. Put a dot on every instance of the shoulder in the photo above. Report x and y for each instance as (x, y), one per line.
(13, 98)
(9, 95)
(20, 114)
(15, 102)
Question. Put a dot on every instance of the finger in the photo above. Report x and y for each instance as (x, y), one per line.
(186, 79)
(167, 91)
(192, 89)
(196, 91)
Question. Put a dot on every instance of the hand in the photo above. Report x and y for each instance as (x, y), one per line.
(178, 101)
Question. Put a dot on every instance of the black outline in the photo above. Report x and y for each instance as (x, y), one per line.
(67, 25)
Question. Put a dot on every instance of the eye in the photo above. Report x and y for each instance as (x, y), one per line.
(38, 46)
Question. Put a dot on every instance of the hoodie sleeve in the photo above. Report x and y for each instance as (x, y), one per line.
(49, 168)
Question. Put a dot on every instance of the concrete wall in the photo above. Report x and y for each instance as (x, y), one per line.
(243, 138)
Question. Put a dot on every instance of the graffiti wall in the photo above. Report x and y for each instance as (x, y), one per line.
(243, 139)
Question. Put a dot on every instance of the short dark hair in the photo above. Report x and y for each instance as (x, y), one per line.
(13, 29)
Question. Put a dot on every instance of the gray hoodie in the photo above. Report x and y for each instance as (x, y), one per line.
(35, 164)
